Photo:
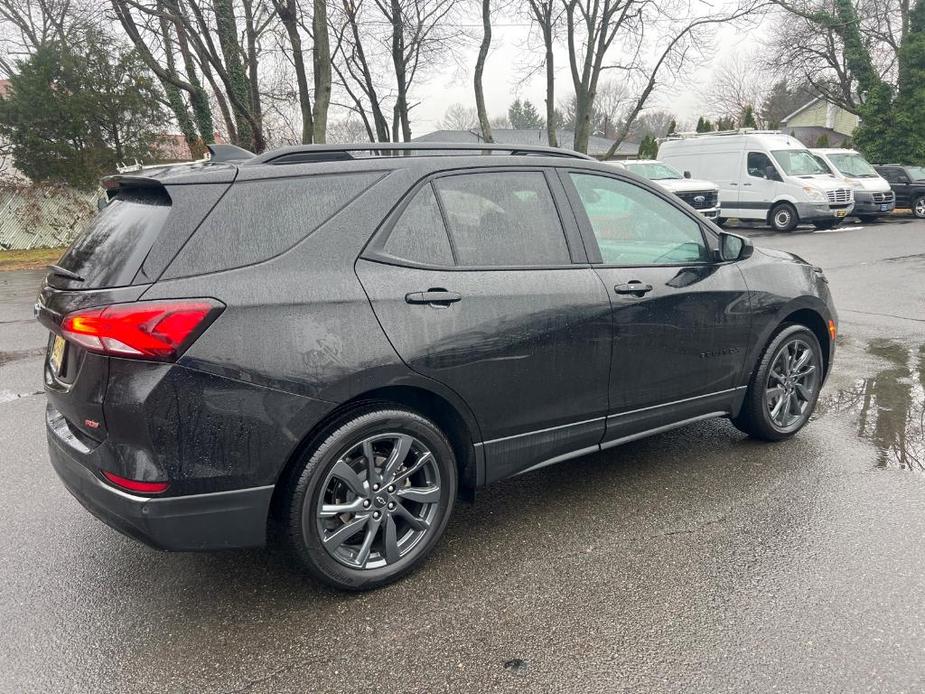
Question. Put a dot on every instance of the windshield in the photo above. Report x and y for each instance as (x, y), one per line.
(655, 171)
(916, 173)
(853, 165)
(798, 162)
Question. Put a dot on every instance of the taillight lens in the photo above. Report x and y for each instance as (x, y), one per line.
(147, 329)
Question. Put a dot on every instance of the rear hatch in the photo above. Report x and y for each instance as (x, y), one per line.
(141, 226)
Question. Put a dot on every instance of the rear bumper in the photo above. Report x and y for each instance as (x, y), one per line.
(195, 522)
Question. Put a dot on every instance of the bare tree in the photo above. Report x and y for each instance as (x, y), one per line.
(459, 117)
(484, 123)
(547, 16)
(737, 84)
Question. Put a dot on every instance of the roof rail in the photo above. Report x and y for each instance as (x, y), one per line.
(301, 154)
(737, 131)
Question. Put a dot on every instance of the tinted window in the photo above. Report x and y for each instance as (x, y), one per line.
(506, 218)
(257, 220)
(419, 235)
(110, 251)
(635, 227)
(757, 163)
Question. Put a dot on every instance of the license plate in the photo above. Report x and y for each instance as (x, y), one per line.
(841, 213)
(57, 354)
(884, 208)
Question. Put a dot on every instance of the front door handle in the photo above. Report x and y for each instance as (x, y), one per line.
(634, 287)
(434, 297)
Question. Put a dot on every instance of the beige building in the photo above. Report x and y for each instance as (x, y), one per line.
(819, 118)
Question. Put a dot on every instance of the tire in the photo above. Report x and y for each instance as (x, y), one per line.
(784, 217)
(868, 218)
(918, 207)
(412, 514)
(757, 417)
(827, 224)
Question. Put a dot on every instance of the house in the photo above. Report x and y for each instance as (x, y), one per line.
(820, 118)
(597, 146)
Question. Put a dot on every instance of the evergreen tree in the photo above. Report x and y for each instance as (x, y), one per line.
(70, 118)
(672, 127)
(748, 117)
(524, 116)
(648, 148)
(822, 141)
(703, 125)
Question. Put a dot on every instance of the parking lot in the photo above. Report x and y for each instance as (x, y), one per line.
(692, 561)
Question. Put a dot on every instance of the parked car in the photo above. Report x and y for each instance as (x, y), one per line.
(703, 196)
(873, 196)
(908, 184)
(332, 343)
(763, 176)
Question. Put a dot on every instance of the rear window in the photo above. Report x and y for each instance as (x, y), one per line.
(110, 251)
(257, 220)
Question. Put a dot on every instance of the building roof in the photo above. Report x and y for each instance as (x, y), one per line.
(597, 146)
(811, 102)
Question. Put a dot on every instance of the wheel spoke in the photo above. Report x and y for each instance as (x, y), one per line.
(412, 520)
(371, 474)
(793, 405)
(423, 495)
(774, 393)
(372, 529)
(802, 361)
(807, 370)
(776, 375)
(777, 410)
(397, 456)
(331, 510)
(348, 476)
(804, 392)
(344, 533)
(391, 541)
(423, 460)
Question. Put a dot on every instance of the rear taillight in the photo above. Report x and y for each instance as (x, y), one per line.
(146, 329)
(136, 485)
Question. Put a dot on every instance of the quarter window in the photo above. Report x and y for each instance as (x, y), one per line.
(420, 235)
(633, 226)
(502, 219)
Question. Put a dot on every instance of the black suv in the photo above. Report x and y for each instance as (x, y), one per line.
(908, 183)
(333, 343)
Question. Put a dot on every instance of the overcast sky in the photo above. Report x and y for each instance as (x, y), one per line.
(505, 71)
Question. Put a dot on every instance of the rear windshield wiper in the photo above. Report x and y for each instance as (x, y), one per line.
(63, 272)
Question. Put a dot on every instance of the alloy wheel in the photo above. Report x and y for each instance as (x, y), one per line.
(791, 385)
(919, 208)
(378, 501)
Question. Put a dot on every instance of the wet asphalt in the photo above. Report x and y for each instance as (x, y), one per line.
(695, 561)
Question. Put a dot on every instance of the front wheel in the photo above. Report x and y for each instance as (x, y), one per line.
(784, 388)
(784, 217)
(372, 499)
(918, 207)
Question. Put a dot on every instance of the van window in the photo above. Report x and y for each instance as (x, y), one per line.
(798, 162)
(633, 226)
(503, 219)
(758, 162)
(420, 235)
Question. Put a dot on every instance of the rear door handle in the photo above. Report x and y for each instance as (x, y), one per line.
(634, 287)
(434, 297)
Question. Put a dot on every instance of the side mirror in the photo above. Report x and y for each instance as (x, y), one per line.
(734, 247)
(687, 174)
(771, 173)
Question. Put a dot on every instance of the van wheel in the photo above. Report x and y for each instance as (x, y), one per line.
(372, 499)
(784, 217)
(785, 385)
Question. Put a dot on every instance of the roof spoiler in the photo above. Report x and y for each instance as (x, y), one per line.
(222, 153)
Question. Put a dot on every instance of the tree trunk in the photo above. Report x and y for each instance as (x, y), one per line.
(321, 63)
(551, 124)
(287, 11)
(401, 79)
(227, 31)
(484, 124)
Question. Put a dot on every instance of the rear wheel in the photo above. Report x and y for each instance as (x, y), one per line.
(784, 217)
(784, 388)
(918, 207)
(372, 499)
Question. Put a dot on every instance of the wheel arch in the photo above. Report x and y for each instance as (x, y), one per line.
(454, 420)
(789, 200)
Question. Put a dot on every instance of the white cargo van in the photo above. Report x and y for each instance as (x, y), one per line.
(703, 196)
(872, 193)
(762, 175)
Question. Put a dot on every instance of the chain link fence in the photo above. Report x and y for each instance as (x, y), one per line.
(43, 216)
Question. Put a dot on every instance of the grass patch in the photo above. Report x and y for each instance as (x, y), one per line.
(32, 259)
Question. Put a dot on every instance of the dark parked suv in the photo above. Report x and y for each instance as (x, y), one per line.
(333, 343)
(908, 183)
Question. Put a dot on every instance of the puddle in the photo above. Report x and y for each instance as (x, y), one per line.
(890, 406)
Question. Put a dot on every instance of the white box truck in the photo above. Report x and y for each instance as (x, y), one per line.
(764, 176)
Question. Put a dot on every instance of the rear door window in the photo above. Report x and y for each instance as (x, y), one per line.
(502, 219)
(110, 251)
